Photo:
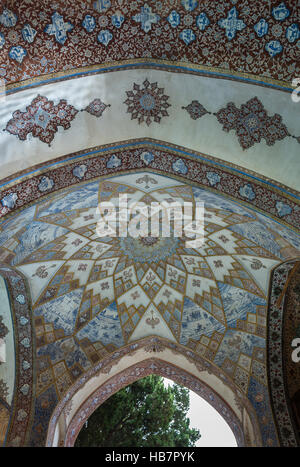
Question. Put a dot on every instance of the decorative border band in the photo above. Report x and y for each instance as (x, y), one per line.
(149, 63)
(247, 188)
(23, 400)
(277, 386)
(140, 370)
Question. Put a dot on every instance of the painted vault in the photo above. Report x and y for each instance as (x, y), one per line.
(175, 101)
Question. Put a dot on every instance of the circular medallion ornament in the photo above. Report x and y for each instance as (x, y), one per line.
(147, 103)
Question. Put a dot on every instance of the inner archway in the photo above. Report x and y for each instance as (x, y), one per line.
(146, 413)
(168, 360)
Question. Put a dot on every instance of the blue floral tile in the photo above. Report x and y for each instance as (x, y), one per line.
(80, 171)
(261, 28)
(8, 18)
(231, 24)
(28, 33)
(202, 21)
(21, 299)
(189, 5)
(17, 53)
(147, 157)
(102, 5)
(273, 48)
(174, 19)
(104, 37)
(293, 33)
(281, 12)
(187, 36)
(146, 17)
(113, 162)
(283, 209)
(213, 178)
(59, 28)
(180, 167)
(246, 191)
(9, 201)
(89, 23)
(117, 19)
(45, 184)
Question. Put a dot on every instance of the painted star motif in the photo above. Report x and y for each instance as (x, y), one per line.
(148, 103)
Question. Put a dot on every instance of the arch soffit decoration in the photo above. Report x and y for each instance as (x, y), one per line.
(21, 413)
(180, 114)
(190, 167)
(283, 201)
(132, 363)
(128, 24)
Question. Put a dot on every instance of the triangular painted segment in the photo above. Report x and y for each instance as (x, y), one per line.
(147, 327)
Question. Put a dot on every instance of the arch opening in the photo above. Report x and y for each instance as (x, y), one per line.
(201, 377)
(146, 413)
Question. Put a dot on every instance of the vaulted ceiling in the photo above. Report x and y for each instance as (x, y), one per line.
(176, 100)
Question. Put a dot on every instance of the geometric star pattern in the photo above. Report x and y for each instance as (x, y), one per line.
(92, 295)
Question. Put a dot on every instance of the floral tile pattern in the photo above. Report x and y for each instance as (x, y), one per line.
(248, 37)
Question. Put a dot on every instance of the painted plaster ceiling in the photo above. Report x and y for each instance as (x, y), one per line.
(218, 75)
(91, 295)
(174, 100)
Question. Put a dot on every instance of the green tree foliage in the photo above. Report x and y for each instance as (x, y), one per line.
(144, 414)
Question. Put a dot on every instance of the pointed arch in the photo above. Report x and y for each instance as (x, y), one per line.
(159, 356)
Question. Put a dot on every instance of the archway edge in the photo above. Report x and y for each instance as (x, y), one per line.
(23, 399)
(136, 361)
(278, 285)
(24, 190)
